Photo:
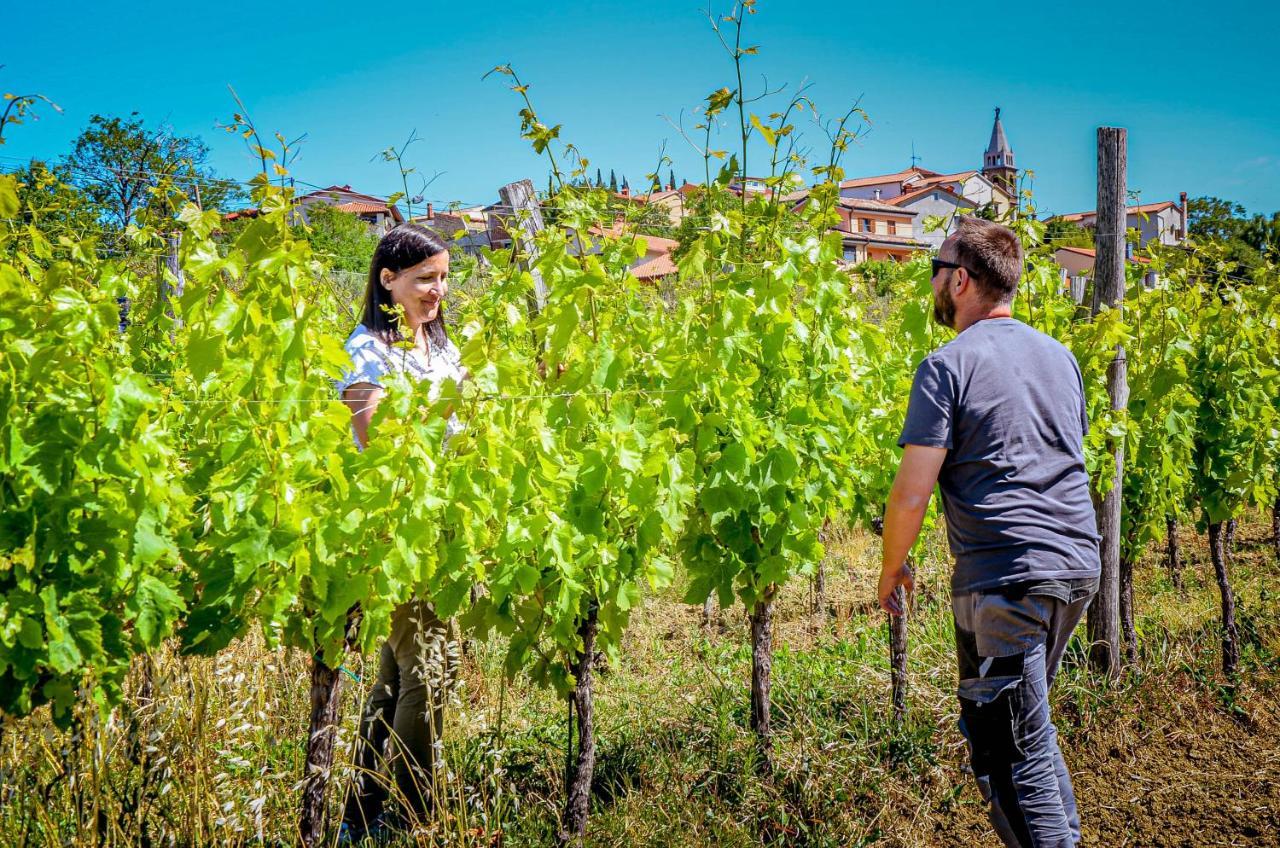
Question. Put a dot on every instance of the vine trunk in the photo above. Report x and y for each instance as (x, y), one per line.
(1230, 639)
(761, 671)
(1174, 552)
(326, 690)
(898, 657)
(1275, 526)
(1129, 633)
(578, 797)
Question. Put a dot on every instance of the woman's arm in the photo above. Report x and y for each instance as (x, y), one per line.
(362, 399)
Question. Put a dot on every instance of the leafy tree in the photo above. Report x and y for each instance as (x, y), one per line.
(132, 171)
(50, 201)
(1062, 233)
(1246, 241)
(342, 238)
(613, 181)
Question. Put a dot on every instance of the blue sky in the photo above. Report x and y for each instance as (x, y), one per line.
(1196, 85)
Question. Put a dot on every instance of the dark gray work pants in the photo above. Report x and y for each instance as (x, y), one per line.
(1009, 643)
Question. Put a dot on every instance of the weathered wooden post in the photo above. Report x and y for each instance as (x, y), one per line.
(523, 222)
(1108, 282)
(173, 283)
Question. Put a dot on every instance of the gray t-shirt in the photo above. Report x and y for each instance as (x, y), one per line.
(1007, 402)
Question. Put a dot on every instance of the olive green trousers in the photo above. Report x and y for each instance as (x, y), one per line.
(403, 719)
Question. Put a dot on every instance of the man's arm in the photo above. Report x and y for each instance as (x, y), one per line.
(908, 502)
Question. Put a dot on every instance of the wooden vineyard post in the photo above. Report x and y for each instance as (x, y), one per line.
(523, 222)
(1104, 612)
(173, 283)
(897, 643)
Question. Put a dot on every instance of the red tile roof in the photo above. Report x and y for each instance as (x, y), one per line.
(874, 206)
(957, 177)
(1144, 209)
(362, 208)
(884, 240)
(658, 243)
(899, 177)
(659, 266)
(920, 192)
(1093, 254)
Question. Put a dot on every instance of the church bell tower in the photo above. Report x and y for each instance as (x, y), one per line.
(997, 162)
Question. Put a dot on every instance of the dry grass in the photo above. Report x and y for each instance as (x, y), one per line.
(215, 756)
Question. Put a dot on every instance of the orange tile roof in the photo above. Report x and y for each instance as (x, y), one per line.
(659, 266)
(1093, 254)
(959, 176)
(658, 243)
(1144, 209)
(360, 207)
(888, 178)
(912, 195)
(879, 238)
(873, 206)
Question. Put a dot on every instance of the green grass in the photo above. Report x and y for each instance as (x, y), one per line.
(221, 745)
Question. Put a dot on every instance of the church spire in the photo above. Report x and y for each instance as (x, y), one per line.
(997, 162)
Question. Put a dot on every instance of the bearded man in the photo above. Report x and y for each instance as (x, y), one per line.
(997, 419)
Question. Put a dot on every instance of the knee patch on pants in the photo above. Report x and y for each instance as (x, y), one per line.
(989, 703)
(990, 729)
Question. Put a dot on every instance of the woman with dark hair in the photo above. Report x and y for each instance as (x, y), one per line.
(404, 714)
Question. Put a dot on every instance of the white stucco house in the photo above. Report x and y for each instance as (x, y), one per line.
(1163, 223)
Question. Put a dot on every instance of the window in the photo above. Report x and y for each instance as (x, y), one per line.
(866, 226)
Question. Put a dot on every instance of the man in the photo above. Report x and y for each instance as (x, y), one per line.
(997, 418)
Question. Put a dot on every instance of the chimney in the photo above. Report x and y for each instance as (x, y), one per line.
(877, 194)
(1182, 202)
(431, 212)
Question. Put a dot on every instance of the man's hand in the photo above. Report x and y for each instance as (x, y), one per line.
(890, 580)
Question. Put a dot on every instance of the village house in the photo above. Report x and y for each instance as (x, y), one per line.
(466, 229)
(372, 210)
(1077, 267)
(671, 200)
(1163, 223)
(872, 229)
(919, 194)
(656, 262)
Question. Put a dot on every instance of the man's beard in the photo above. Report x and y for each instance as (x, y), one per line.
(944, 308)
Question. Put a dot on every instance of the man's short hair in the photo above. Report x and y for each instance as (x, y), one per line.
(992, 255)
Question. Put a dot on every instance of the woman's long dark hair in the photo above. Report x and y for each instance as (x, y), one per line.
(402, 247)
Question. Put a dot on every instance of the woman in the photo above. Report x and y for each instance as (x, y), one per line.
(410, 270)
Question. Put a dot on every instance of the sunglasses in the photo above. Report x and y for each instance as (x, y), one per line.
(939, 264)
